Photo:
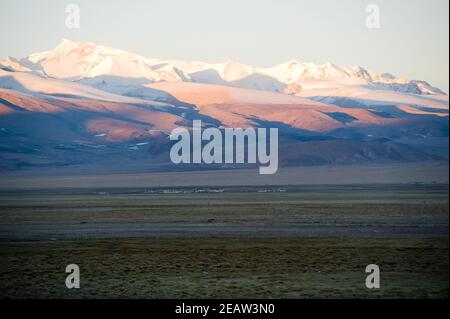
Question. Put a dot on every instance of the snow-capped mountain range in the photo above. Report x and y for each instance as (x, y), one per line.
(83, 104)
(103, 66)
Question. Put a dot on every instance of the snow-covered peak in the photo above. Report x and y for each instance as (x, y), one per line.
(79, 60)
(13, 64)
(234, 71)
(294, 71)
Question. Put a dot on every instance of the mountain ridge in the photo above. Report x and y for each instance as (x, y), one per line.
(83, 104)
(85, 60)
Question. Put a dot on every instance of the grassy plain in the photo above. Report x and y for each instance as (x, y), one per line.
(402, 228)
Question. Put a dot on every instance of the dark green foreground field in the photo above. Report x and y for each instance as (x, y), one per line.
(247, 242)
(225, 268)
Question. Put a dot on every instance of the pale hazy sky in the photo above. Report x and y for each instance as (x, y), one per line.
(412, 41)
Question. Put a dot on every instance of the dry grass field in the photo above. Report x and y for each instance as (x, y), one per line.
(225, 268)
(245, 242)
